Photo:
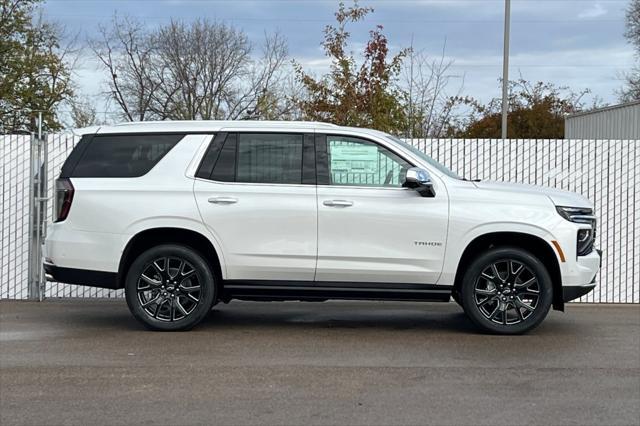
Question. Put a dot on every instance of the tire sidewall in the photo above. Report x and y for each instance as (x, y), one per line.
(203, 272)
(503, 253)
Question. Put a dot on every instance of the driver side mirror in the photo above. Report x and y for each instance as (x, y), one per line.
(419, 179)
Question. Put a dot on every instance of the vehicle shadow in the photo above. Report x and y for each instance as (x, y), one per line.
(300, 316)
(339, 315)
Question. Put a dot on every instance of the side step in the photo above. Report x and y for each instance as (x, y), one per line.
(320, 291)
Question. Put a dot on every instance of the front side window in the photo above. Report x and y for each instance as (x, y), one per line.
(357, 162)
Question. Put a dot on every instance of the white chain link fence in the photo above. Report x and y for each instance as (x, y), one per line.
(605, 171)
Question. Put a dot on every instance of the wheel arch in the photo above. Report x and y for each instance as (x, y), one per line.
(531, 243)
(152, 237)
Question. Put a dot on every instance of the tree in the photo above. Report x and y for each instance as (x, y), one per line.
(201, 70)
(34, 75)
(82, 113)
(126, 51)
(349, 95)
(631, 90)
(536, 111)
(430, 109)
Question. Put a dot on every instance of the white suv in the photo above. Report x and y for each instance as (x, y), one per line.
(183, 215)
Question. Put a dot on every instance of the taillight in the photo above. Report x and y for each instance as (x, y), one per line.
(64, 197)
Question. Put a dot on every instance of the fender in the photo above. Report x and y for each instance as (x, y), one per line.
(456, 247)
(188, 224)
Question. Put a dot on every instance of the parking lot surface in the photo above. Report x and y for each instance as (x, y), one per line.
(89, 362)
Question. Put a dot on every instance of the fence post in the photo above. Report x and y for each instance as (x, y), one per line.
(38, 157)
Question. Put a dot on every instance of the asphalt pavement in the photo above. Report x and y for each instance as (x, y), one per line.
(88, 362)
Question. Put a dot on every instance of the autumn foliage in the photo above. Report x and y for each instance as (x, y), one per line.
(352, 95)
(536, 111)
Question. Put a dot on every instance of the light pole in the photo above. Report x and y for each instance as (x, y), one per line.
(505, 68)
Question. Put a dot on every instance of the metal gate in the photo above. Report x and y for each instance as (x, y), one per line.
(38, 197)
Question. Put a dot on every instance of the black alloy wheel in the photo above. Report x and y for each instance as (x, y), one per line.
(506, 290)
(170, 287)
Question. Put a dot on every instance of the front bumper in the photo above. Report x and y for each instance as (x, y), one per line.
(589, 266)
(572, 293)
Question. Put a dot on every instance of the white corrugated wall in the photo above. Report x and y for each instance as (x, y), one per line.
(615, 122)
(605, 171)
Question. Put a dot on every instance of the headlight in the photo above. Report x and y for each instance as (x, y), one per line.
(585, 237)
(585, 242)
(577, 214)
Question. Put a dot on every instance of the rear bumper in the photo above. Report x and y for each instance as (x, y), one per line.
(81, 276)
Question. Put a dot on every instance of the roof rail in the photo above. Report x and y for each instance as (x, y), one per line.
(230, 122)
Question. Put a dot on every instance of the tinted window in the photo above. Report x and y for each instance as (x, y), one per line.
(211, 156)
(363, 163)
(123, 155)
(269, 158)
(225, 168)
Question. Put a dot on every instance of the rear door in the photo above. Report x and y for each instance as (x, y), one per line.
(256, 193)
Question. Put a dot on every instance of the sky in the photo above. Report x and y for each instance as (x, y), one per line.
(575, 43)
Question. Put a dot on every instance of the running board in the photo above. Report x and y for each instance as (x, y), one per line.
(320, 291)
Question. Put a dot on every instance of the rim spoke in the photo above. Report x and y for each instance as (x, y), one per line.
(519, 312)
(487, 277)
(189, 289)
(181, 308)
(172, 309)
(527, 283)
(157, 310)
(487, 300)
(515, 273)
(187, 276)
(485, 292)
(497, 276)
(495, 311)
(152, 283)
(149, 302)
(158, 269)
(521, 304)
(190, 296)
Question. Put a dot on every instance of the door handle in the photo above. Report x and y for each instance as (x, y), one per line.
(337, 203)
(223, 200)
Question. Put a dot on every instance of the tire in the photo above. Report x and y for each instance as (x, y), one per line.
(174, 298)
(506, 303)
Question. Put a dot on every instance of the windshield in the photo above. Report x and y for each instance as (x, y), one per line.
(424, 157)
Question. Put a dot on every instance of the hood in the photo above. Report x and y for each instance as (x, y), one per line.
(559, 197)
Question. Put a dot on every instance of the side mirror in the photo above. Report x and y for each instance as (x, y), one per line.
(419, 179)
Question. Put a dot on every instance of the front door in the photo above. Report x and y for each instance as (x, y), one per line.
(259, 202)
(370, 229)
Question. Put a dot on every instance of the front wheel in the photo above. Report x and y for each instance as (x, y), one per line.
(507, 290)
(170, 287)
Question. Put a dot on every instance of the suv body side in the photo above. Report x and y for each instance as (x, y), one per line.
(287, 232)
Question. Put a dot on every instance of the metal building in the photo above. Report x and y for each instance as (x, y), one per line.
(612, 122)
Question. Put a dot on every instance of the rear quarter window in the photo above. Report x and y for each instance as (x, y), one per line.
(122, 155)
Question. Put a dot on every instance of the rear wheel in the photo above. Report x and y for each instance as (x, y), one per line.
(506, 290)
(170, 287)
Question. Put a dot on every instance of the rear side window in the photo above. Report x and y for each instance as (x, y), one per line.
(274, 158)
(269, 158)
(122, 155)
